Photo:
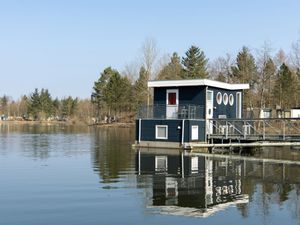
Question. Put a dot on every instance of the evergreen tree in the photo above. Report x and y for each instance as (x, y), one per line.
(173, 70)
(141, 88)
(68, 106)
(46, 104)
(245, 71)
(34, 104)
(194, 64)
(285, 90)
(98, 95)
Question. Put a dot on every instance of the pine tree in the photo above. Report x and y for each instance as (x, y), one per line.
(194, 64)
(141, 88)
(34, 104)
(98, 95)
(285, 90)
(173, 70)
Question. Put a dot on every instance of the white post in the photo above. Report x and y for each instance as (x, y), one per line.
(140, 130)
(182, 132)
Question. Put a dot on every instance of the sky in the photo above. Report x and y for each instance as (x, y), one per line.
(63, 46)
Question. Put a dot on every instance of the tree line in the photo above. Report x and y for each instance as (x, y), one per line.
(40, 106)
(274, 80)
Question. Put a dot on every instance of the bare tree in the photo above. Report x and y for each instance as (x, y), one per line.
(295, 54)
(220, 68)
(266, 73)
(149, 56)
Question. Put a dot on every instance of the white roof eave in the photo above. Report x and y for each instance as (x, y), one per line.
(197, 82)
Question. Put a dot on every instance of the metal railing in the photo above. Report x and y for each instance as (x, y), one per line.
(161, 111)
(256, 129)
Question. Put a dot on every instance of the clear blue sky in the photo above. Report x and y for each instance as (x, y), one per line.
(64, 45)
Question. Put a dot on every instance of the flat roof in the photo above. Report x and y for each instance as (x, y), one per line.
(196, 82)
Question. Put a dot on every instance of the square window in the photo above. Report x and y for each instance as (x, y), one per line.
(195, 133)
(161, 163)
(161, 132)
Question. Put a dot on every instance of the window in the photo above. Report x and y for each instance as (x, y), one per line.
(171, 98)
(161, 163)
(195, 133)
(225, 99)
(161, 132)
(219, 98)
(231, 99)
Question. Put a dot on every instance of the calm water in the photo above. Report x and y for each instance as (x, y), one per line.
(79, 175)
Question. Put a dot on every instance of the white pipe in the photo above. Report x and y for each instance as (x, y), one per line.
(140, 130)
(182, 132)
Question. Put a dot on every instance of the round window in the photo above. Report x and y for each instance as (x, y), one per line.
(219, 98)
(225, 99)
(231, 99)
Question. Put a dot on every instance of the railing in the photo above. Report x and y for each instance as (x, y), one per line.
(256, 129)
(161, 111)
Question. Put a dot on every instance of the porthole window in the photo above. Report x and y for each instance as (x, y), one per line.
(219, 98)
(231, 99)
(225, 98)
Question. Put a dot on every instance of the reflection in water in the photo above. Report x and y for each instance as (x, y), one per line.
(39, 141)
(113, 156)
(200, 185)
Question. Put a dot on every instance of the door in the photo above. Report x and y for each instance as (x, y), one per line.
(172, 104)
(209, 111)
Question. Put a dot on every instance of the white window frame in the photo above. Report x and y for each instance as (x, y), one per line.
(225, 98)
(161, 157)
(177, 97)
(219, 98)
(231, 97)
(193, 136)
(156, 133)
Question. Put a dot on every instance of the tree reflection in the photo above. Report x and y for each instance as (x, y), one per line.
(112, 154)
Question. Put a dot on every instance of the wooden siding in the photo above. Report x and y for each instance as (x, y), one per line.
(174, 130)
(228, 110)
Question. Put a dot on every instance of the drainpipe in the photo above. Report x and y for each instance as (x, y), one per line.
(182, 132)
(140, 131)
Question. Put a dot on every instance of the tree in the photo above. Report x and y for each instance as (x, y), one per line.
(173, 70)
(46, 104)
(149, 56)
(68, 106)
(285, 90)
(245, 71)
(266, 69)
(98, 95)
(34, 104)
(194, 64)
(141, 89)
(220, 69)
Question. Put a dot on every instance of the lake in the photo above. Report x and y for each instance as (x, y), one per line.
(55, 174)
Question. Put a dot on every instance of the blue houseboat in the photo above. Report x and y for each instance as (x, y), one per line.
(182, 110)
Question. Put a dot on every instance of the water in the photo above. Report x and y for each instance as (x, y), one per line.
(51, 174)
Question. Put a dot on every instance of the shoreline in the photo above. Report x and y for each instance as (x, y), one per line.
(68, 123)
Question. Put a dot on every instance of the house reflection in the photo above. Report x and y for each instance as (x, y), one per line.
(180, 184)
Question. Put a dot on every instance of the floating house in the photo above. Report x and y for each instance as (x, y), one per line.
(182, 111)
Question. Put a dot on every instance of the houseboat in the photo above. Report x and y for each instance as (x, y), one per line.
(182, 111)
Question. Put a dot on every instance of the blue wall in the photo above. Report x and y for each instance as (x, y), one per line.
(196, 95)
(228, 110)
(174, 130)
(193, 95)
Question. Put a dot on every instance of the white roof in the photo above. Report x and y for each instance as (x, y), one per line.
(197, 82)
